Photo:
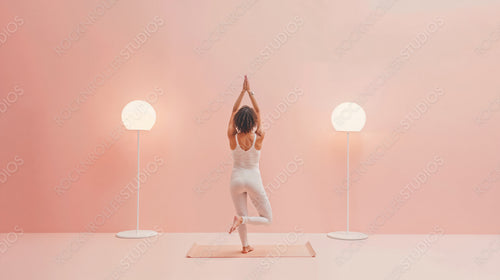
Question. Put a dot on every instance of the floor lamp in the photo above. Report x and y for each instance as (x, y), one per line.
(138, 115)
(348, 117)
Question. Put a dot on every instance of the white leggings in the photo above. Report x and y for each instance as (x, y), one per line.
(248, 181)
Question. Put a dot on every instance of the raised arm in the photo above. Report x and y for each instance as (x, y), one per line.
(231, 129)
(256, 109)
(236, 105)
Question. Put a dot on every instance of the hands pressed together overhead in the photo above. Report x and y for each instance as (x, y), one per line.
(246, 85)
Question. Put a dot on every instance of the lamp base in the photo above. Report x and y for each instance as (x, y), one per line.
(347, 235)
(136, 234)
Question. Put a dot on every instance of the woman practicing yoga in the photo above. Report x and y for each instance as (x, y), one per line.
(245, 177)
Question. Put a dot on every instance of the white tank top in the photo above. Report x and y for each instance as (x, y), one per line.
(246, 159)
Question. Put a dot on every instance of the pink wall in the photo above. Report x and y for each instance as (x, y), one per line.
(425, 73)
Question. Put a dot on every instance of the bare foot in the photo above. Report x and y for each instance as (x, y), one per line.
(247, 249)
(237, 220)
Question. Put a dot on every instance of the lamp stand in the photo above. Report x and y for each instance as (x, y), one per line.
(137, 233)
(347, 235)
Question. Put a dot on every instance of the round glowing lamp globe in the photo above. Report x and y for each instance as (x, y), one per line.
(138, 115)
(348, 116)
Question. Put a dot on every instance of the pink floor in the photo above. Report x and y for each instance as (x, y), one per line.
(102, 256)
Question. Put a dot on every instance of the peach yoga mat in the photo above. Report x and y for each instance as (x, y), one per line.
(260, 251)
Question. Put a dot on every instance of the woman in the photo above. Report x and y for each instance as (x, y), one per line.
(245, 176)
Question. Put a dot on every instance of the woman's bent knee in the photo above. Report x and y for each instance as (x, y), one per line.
(269, 219)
